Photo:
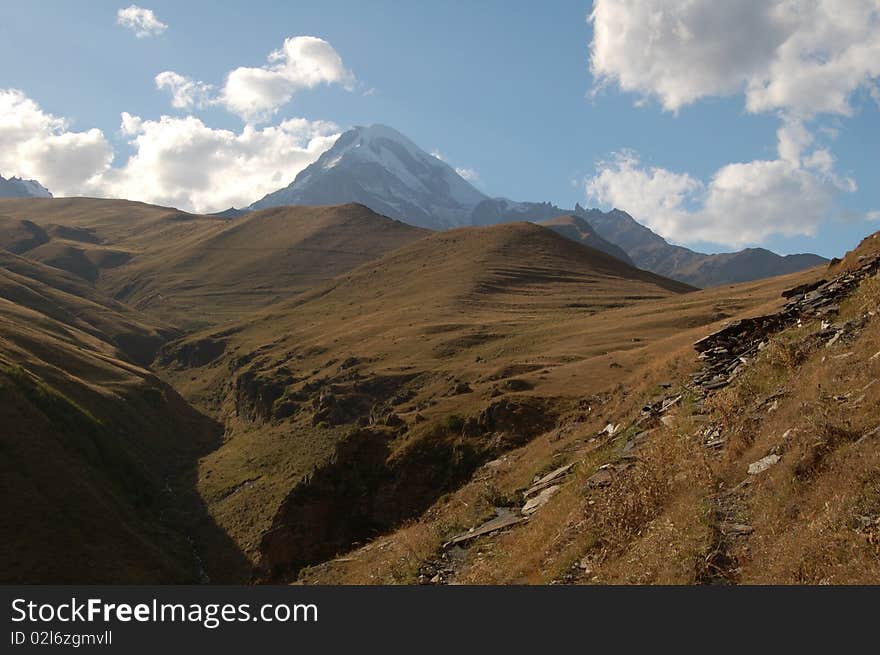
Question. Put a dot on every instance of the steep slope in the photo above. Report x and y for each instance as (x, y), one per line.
(194, 270)
(98, 455)
(16, 187)
(654, 479)
(652, 252)
(577, 229)
(382, 169)
(67, 300)
(409, 391)
(367, 371)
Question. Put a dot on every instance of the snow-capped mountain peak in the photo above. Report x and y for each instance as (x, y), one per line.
(379, 167)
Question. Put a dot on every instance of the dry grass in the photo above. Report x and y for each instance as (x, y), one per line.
(463, 313)
(814, 520)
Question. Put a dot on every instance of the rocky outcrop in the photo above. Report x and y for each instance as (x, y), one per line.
(255, 394)
(329, 509)
(726, 351)
(373, 482)
(516, 420)
(193, 354)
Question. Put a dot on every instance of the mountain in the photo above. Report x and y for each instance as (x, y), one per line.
(191, 269)
(492, 211)
(652, 252)
(379, 167)
(98, 454)
(382, 169)
(651, 478)
(366, 369)
(15, 187)
(577, 229)
(235, 266)
(231, 212)
(323, 394)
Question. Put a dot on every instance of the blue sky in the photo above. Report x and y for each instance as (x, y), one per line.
(496, 87)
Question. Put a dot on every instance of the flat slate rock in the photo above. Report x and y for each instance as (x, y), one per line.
(536, 503)
(763, 464)
(506, 517)
(545, 481)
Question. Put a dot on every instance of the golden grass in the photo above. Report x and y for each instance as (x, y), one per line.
(462, 312)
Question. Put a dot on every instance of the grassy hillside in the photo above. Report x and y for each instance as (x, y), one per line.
(193, 270)
(425, 363)
(325, 395)
(97, 455)
(772, 479)
(577, 229)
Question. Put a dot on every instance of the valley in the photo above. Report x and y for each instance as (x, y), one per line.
(324, 394)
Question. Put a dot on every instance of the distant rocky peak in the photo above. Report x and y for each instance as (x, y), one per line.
(16, 187)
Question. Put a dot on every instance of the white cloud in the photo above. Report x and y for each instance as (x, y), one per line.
(469, 174)
(802, 56)
(657, 197)
(36, 144)
(184, 163)
(742, 204)
(873, 215)
(176, 161)
(793, 137)
(798, 58)
(303, 62)
(186, 93)
(142, 22)
(256, 94)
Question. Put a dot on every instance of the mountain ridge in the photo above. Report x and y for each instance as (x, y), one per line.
(370, 414)
(168, 262)
(16, 187)
(651, 251)
(573, 227)
(381, 168)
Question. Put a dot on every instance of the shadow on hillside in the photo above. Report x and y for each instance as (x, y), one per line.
(220, 558)
(100, 488)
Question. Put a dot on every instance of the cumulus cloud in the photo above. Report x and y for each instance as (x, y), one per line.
(742, 204)
(184, 163)
(801, 56)
(186, 93)
(256, 94)
(143, 22)
(801, 59)
(177, 161)
(36, 144)
(303, 62)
